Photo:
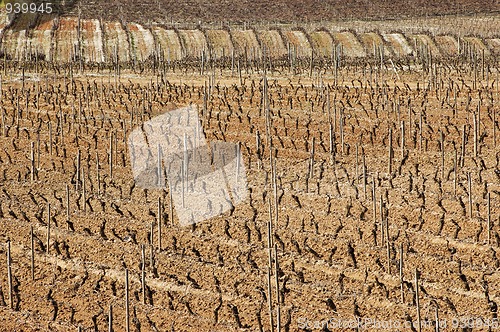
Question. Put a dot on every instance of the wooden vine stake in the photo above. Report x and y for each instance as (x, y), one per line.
(357, 165)
(78, 161)
(389, 163)
(159, 223)
(442, 155)
(158, 169)
(330, 131)
(421, 132)
(276, 277)
(475, 134)
(388, 247)
(171, 206)
(374, 200)
(269, 268)
(364, 175)
(110, 318)
(270, 231)
(462, 158)
(469, 182)
(32, 171)
(455, 165)
(269, 298)
(143, 274)
(50, 138)
(32, 253)
(111, 155)
(9, 275)
(275, 190)
(38, 152)
(342, 131)
(98, 174)
(402, 140)
(48, 228)
(418, 301)
(311, 161)
(489, 218)
(67, 204)
(401, 280)
(494, 128)
(4, 125)
(382, 222)
(84, 194)
(127, 309)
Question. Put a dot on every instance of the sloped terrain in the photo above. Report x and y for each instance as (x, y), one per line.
(67, 39)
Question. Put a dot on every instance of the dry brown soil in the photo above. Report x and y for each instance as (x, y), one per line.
(213, 276)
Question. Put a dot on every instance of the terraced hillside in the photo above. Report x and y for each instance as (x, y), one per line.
(67, 39)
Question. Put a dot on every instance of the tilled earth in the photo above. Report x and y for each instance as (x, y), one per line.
(334, 262)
